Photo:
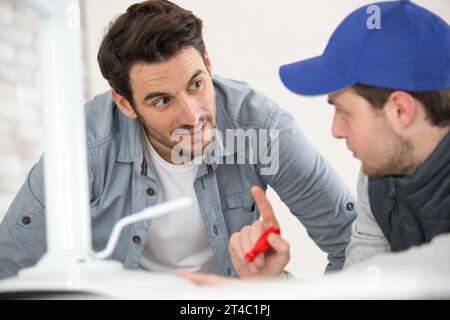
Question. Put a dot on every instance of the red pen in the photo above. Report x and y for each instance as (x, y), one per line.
(262, 245)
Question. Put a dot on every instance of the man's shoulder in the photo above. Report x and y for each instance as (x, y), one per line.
(245, 106)
(101, 118)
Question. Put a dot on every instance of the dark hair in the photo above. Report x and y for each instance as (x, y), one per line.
(152, 32)
(436, 103)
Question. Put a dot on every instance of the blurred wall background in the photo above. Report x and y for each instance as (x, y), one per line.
(20, 109)
(246, 39)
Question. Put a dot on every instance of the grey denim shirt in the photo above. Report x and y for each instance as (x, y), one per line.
(122, 181)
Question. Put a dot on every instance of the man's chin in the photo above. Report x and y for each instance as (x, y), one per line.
(372, 171)
(368, 171)
(368, 168)
(196, 149)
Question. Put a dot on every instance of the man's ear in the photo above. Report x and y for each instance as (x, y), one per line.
(123, 104)
(208, 63)
(401, 109)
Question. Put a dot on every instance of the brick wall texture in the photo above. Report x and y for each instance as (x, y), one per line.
(21, 133)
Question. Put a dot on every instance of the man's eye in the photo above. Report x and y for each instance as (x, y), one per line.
(196, 85)
(162, 102)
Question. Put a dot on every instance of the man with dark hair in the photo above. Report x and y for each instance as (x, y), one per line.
(157, 136)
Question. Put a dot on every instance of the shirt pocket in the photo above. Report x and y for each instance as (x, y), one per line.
(26, 220)
(239, 210)
(29, 228)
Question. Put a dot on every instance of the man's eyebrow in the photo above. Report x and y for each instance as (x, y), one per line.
(195, 75)
(330, 101)
(152, 95)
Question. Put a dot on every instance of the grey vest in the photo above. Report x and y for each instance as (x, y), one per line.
(411, 210)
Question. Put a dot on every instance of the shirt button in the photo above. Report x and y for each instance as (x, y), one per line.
(151, 191)
(137, 239)
(216, 232)
(350, 206)
(26, 220)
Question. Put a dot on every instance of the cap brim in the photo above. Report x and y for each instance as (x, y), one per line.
(312, 77)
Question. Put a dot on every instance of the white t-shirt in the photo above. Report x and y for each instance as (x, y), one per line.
(177, 240)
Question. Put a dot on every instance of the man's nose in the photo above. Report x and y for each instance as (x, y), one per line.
(337, 129)
(189, 112)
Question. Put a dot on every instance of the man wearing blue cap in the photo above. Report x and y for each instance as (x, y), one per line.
(391, 90)
(389, 81)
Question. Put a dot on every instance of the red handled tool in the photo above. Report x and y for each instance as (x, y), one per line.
(262, 245)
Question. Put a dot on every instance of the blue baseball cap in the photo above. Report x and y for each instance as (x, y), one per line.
(407, 49)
